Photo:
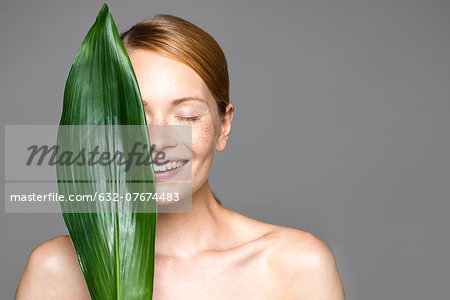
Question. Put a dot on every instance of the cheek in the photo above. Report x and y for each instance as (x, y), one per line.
(203, 141)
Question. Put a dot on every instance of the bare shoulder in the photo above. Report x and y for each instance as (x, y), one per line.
(301, 265)
(306, 263)
(52, 272)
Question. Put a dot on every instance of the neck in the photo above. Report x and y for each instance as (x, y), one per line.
(186, 234)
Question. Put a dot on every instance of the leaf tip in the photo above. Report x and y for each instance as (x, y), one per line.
(104, 8)
(104, 12)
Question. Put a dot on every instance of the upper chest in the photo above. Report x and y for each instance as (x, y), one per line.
(238, 274)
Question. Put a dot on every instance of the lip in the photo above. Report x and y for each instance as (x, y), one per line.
(163, 176)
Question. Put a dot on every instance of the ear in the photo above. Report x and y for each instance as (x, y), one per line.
(225, 128)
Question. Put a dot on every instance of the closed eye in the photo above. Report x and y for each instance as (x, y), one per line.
(188, 118)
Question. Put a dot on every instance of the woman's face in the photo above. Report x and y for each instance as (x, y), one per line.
(174, 94)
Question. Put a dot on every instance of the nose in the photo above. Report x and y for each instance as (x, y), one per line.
(162, 137)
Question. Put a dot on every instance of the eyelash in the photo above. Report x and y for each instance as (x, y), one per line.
(193, 118)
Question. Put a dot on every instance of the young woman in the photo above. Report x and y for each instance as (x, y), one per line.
(213, 252)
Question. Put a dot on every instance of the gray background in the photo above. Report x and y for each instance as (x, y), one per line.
(341, 126)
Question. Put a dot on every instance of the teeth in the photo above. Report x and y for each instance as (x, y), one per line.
(168, 166)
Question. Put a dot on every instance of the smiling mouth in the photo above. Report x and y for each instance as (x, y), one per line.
(169, 165)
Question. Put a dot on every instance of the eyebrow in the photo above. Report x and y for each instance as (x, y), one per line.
(181, 100)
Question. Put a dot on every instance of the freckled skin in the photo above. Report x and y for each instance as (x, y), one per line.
(211, 252)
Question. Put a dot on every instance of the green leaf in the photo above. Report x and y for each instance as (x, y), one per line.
(114, 240)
